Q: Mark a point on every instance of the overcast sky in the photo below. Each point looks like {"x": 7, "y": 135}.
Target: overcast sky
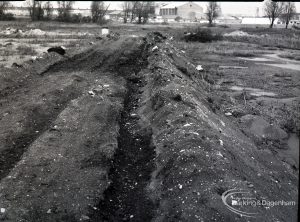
{"x": 241, "y": 8}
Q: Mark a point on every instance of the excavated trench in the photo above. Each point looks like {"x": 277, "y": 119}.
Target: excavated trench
{"x": 126, "y": 198}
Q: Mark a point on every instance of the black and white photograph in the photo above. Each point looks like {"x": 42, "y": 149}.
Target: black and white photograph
{"x": 149, "y": 111}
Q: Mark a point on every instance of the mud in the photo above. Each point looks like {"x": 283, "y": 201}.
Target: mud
{"x": 127, "y": 199}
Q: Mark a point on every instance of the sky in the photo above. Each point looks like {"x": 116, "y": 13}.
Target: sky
{"x": 232, "y": 8}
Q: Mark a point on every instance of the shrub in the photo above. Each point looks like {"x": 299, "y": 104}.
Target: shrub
{"x": 7, "y": 17}
{"x": 76, "y": 18}
{"x": 26, "y": 50}
{"x": 296, "y": 27}
{"x": 178, "y": 19}
{"x": 86, "y": 19}
{"x": 201, "y": 35}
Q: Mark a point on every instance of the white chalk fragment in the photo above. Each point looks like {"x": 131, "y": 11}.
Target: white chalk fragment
{"x": 223, "y": 124}
{"x": 91, "y": 92}
{"x": 199, "y": 68}
{"x": 154, "y": 48}
{"x": 228, "y": 114}
{"x": 2, "y": 210}
{"x": 221, "y": 142}
{"x": 180, "y": 186}
{"x": 219, "y": 154}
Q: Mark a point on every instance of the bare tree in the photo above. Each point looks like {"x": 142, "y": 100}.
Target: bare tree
{"x": 36, "y": 11}
{"x": 133, "y": 5}
{"x": 99, "y": 10}
{"x": 64, "y": 10}
{"x": 48, "y": 10}
{"x": 126, "y": 6}
{"x": 141, "y": 10}
{"x": 212, "y": 12}
{"x": 288, "y": 12}
{"x": 3, "y": 7}
{"x": 273, "y": 10}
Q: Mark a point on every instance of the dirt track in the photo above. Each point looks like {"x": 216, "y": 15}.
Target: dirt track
{"x": 122, "y": 132}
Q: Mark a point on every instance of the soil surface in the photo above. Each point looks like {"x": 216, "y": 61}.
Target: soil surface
{"x": 129, "y": 130}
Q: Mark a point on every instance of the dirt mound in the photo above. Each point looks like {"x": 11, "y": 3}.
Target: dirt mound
{"x": 237, "y": 33}
{"x": 125, "y": 125}
{"x": 34, "y": 32}
{"x": 200, "y": 154}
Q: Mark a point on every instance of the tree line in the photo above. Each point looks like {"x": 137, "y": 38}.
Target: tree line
{"x": 272, "y": 9}
{"x": 137, "y": 11}
{"x": 44, "y": 10}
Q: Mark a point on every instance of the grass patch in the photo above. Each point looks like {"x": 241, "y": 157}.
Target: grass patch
{"x": 268, "y": 41}
{"x": 294, "y": 56}
{"x": 223, "y": 48}
{"x": 200, "y": 34}
{"x": 26, "y": 50}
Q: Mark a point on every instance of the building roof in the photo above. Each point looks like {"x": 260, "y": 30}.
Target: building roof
{"x": 173, "y": 5}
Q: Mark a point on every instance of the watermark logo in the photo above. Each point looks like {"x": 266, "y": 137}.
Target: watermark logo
{"x": 231, "y": 200}
{"x": 243, "y": 203}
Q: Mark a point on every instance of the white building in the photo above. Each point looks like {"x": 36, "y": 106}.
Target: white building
{"x": 186, "y": 11}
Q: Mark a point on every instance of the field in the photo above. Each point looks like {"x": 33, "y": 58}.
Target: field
{"x": 126, "y": 127}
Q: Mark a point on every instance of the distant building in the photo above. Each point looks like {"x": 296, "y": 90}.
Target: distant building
{"x": 115, "y": 14}
{"x": 187, "y": 11}
{"x": 296, "y": 16}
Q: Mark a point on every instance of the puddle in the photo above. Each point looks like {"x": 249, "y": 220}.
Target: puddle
{"x": 283, "y": 66}
{"x": 289, "y": 100}
{"x": 254, "y": 91}
{"x": 279, "y": 62}
{"x": 262, "y": 93}
{"x": 256, "y": 59}
{"x": 240, "y": 88}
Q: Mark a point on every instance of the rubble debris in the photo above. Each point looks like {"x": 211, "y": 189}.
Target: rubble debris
{"x": 85, "y": 217}
{"x": 113, "y": 35}
{"x": 8, "y": 44}
{"x": 237, "y": 33}
{"x": 59, "y": 49}
{"x": 16, "y": 65}
{"x": 34, "y": 32}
